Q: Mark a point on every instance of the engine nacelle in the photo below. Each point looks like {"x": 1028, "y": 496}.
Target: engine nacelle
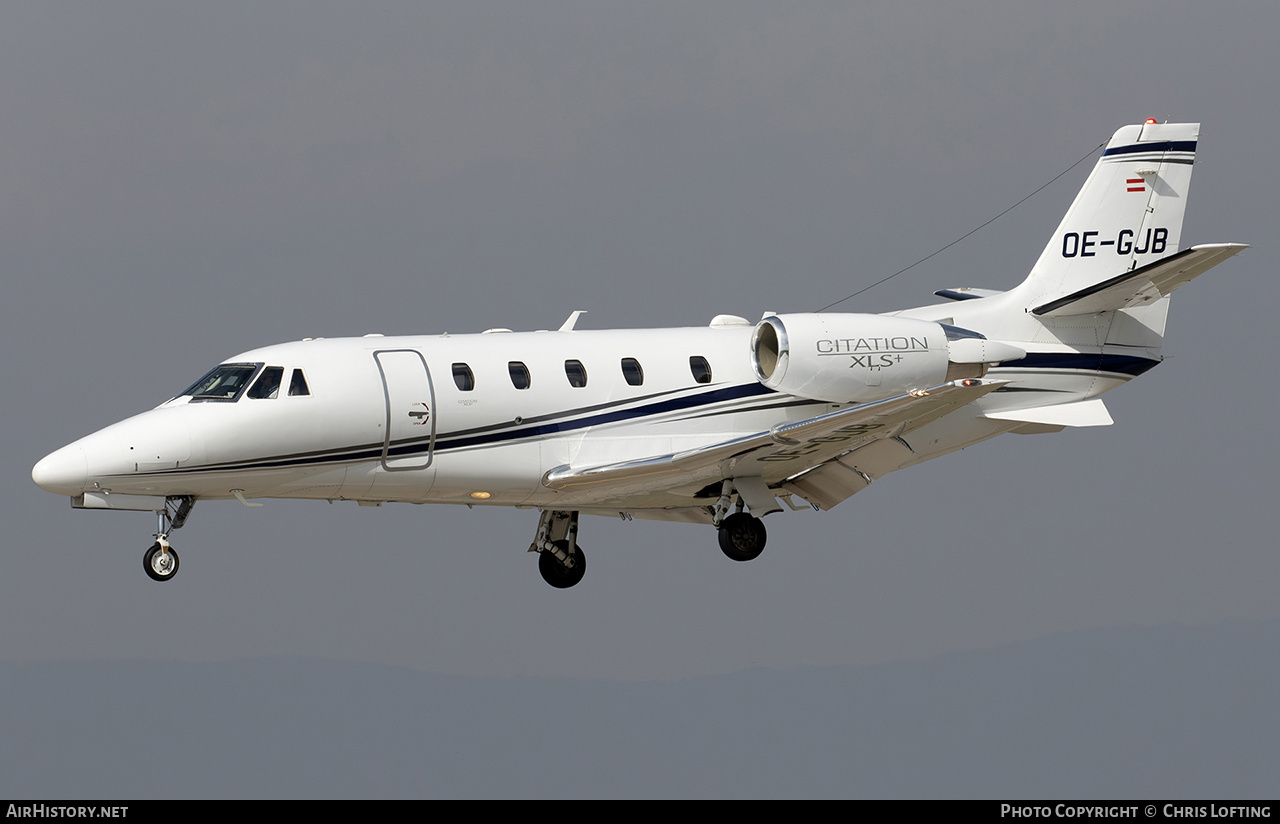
{"x": 849, "y": 358}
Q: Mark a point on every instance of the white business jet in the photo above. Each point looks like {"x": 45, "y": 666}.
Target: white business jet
{"x": 719, "y": 425}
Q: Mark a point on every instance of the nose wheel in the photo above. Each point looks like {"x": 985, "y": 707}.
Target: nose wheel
{"x": 160, "y": 562}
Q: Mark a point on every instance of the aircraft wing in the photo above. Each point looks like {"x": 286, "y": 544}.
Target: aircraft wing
{"x": 774, "y": 455}
{"x": 1143, "y": 285}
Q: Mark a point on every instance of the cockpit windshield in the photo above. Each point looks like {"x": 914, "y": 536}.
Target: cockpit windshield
{"x": 224, "y": 383}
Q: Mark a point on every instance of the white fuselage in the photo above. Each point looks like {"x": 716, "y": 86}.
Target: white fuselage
{"x": 478, "y": 438}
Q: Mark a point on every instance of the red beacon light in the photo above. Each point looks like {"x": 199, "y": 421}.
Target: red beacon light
{"x": 1151, "y": 121}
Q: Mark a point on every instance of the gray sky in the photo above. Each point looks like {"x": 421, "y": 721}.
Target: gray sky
{"x": 185, "y": 182}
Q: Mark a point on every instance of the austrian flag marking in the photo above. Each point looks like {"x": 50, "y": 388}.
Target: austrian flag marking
{"x": 1136, "y": 184}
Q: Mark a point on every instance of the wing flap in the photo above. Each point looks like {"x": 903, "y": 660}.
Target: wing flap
{"x": 774, "y": 455}
{"x": 1143, "y": 285}
{"x": 827, "y": 485}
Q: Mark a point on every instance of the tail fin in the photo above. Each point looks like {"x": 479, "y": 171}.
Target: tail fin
{"x": 1127, "y": 215}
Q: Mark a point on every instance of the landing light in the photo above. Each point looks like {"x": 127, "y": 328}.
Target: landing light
{"x": 481, "y": 496}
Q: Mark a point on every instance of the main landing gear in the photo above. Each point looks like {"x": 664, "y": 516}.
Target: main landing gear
{"x": 160, "y": 561}
{"x": 560, "y": 559}
{"x": 742, "y": 536}
{"x": 562, "y": 563}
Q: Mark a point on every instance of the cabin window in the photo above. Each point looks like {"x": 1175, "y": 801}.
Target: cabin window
{"x": 700, "y": 368}
{"x": 224, "y": 383}
{"x": 463, "y": 377}
{"x": 298, "y": 384}
{"x": 632, "y": 371}
{"x": 268, "y": 386}
{"x": 576, "y": 373}
{"x": 519, "y": 374}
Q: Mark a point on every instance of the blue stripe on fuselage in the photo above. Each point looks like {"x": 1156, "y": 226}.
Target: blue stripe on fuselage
{"x": 1120, "y": 364}
{"x": 729, "y": 393}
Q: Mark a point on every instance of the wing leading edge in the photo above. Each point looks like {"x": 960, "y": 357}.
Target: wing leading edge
{"x": 774, "y": 455}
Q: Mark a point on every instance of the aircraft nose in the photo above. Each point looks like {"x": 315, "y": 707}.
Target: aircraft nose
{"x": 64, "y": 472}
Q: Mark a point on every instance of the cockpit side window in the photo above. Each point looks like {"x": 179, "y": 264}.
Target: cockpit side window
{"x": 268, "y": 386}
{"x": 225, "y": 383}
{"x": 298, "y": 384}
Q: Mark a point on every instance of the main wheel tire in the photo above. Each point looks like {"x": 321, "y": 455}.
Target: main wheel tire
{"x": 160, "y": 565}
{"x": 554, "y": 572}
{"x": 742, "y": 536}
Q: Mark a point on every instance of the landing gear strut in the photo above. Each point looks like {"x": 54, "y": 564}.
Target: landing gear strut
{"x": 160, "y": 561}
{"x": 560, "y": 559}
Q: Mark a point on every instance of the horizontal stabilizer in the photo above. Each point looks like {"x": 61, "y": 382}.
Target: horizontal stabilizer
{"x": 1092, "y": 412}
{"x": 1143, "y": 285}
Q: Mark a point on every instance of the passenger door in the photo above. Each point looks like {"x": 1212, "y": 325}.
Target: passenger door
{"x": 410, "y": 429}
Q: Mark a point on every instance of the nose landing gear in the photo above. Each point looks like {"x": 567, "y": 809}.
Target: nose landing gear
{"x": 160, "y": 561}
